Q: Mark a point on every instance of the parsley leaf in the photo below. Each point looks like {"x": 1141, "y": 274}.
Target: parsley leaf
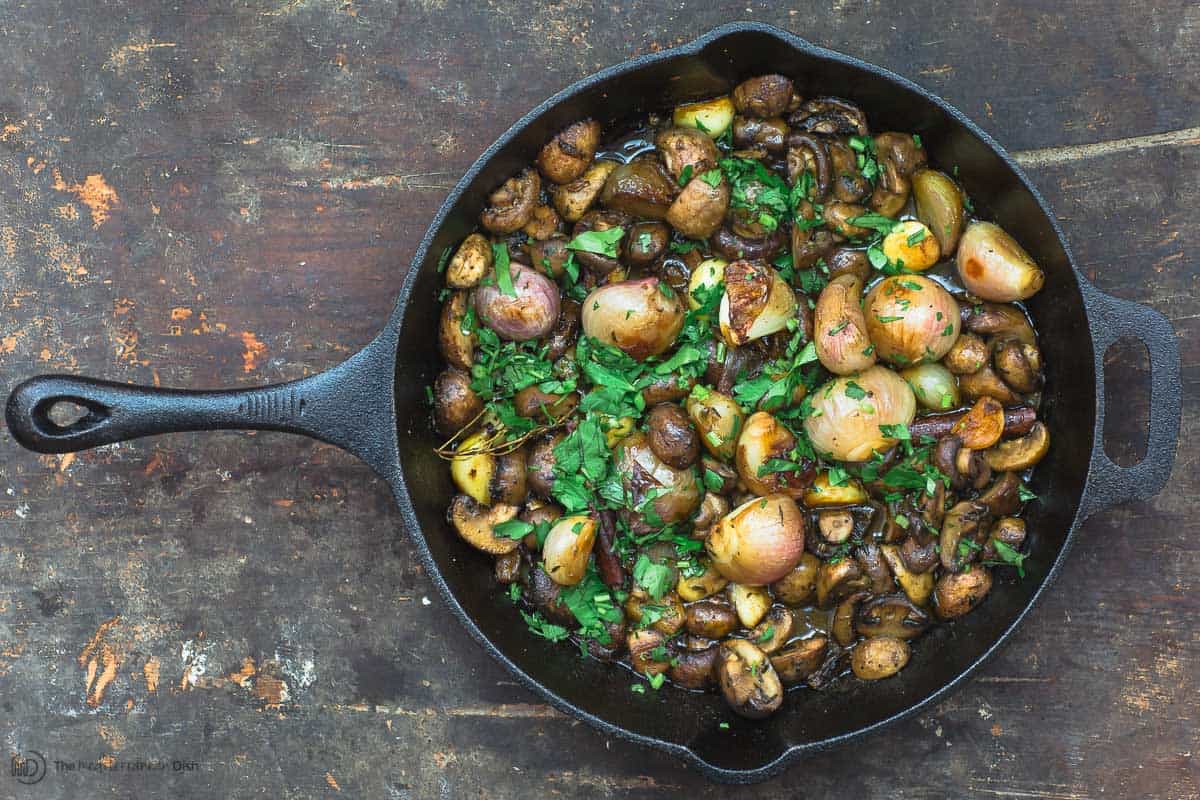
{"x": 602, "y": 243}
{"x": 654, "y": 578}
{"x": 504, "y": 279}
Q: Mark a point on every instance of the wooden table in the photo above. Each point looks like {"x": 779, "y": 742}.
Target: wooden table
{"x": 214, "y": 193}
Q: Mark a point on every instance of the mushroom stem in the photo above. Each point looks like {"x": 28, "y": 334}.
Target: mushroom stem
{"x": 606, "y": 559}
{"x": 1017, "y": 422}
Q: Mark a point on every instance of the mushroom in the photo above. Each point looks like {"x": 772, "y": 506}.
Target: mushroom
{"x": 697, "y": 587}
{"x": 568, "y": 154}
{"x": 800, "y": 585}
{"x": 732, "y": 247}
{"x": 470, "y": 263}
{"x": 1018, "y": 365}
{"x": 712, "y": 508}
{"x": 1002, "y": 321}
{"x": 962, "y": 465}
{"x": 508, "y": 567}
{"x": 917, "y": 586}
{"x": 1007, "y": 530}
{"x": 1016, "y": 455}
{"x": 774, "y": 630}
{"x": 893, "y": 615}
{"x": 699, "y": 209}
{"x": 962, "y": 523}
{"x": 532, "y": 403}
{"x": 838, "y": 215}
{"x": 959, "y": 592}
{"x": 511, "y": 206}
{"x": 641, "y": 188}
{"x": 835, "y": 526}
{"x": 668, "y": 613}
{"x": 874, "y": 566}
{"x": 829, "y": 116}
{"x": 686, "y": 150}
{"x": 838, "y": 579}
{"x": 455, "y": 403}
{"x": 800, "y": 659}
{"x": 543, "y": 223}
{"x": 476, "y": 524}
{"x": 808, "y": 153}
{"x": 564, "y": 333}
{"x": 645, "y": 645}
{"x": 600, "y": 220}
{"x": 747, "y": 679}
{"x": 671, "y": 436}
{"x": 984, "y": 382}
{"x": 1004, "y": 496}
{"x": 768, "y": 134}
{"x": 899, "y": 156}
{"x": 725, "y": 474}
{"x": 693, "y": 669}
{"x": 540, "y": 464}
{"x": 763, "y": 96}
{"x": 572, "y": 200}
{"x": 487, "y": 477}
{"x": 879, "y": 658}
{"x": 710, "y": 619}
{"x": 646, "y": 243}
{"x": 849, "y": 185}
{"x": 456, "y": 344}
{"x": 968, "y": 354}
{"x": 549, "y": 256}
{"x": 546, "y": 596}
{"x": 841, "y": 626}
{"x": 848, "y": 261}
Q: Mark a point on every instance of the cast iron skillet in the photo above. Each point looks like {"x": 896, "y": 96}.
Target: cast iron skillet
{"x": 374, "y": 406}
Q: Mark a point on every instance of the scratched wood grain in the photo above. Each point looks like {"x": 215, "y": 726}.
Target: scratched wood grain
{"x": 219, "y": 194}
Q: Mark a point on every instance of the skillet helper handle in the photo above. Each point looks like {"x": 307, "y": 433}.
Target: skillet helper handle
{"x": 349, "y": 406}
{"x": 1111, "y": 318}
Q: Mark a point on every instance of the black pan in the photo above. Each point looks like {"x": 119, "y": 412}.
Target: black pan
{"x": 374, "y": 406}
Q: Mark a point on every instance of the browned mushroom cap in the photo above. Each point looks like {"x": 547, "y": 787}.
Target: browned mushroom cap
{"x": 830, "y": 116}
{"x": 549, "y": 255}
{"x": 562, "y": 336}
{"x": 774, "y": 630}
{"x": 600, "y": 219}
{"x": 838, "y": 215}
{"x": 540, "y": 464}
{"x": 641, "y": 188}
{"x": 841, "y": 627}
{"x": 1009, "y": 531}
{"x": 849, "y": 185}
{"x": 508, "y": 567}
{"x": 848, "y": 261}
{"x": 1020, "y": 454}
{"x": 574, "y": 199}
{"x": 800, "y": 585}
{"x": 810, "y": 245}
{"x": 455, "y": 404}
{"x": 920, "y": 555}
{"x": 646, "y": 243}
{"x": 700, "y": 208}
{"x": 724, "y": 472}
{"x": 1001, "y": 320}
{"x": 1019, "y": 365}
{"x": 543, "y": 224}
{"x": 891, "y": 615}
{"x": 870, "y": 558}
{"x": 684, "y": 148}
{"x": 879, "y": 658}
{"x": 546, "y": 596}
{"x": 754, "y": 133}
{"x": 511, "y": 206}
{"x": 476, "y": 524}
{"x": 667, "y": 613}
{"x": 666, "y": 389}
{"x": 711, "y": 619}
{"x": 1004, "y": 496}
{"x": 712, "y": 508}
{"x": 693, "y": 669}
{"x": 837, "y": 579}
{"x": 800, "y": 659}
{"x": 984, "y": 382}
{"x": 471, "y": 262}
{"x": 964, "y": 467}
{"x": 731, "y": 247}
{"x": 567, "y": 155}
{"x": 612, "y": 645}
{"x": 808, "y": 153}
{"x": 645, "y": 646}
{"x": 957, "y": 593}
{"x": 748, "y": 680}
{"x": 962, "y": 523}
{"x": 763, "y": 96}
{"x": 457, "y": 346}
{"x": 968, "y": 354}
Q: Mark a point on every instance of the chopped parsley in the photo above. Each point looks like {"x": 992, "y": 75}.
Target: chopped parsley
{"x": 504, "y": 280}
{"x": 603, "y": 243}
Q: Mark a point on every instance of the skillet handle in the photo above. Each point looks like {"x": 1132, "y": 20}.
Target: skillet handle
{"x": 1111, "y": 318}
{"x": 350, "y": 405}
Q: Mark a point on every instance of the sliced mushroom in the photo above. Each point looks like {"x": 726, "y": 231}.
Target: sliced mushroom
{"x": 962, "y": 522}
{"x": 543, "y": 224}
{"x": 837, "y": 579}
{"x": 457, "y": 345}
{"x": 1004, "y": 496}
{"x": 564, "y": 333}
{"x": 768, "y": 134}
{"x": 808, "y": 153}
{"x": 747, "y": 679}
{"x": 986, "y": 383}
{"x": 829, "y": 116}
{"x": 546, "y": 596}
{"x": 837, "y": 216}
{"x": 549, "y": 256}
{"x": 1008, "y": 530}
{"x": 1002, "y": 321}
{"x": 870, "y": 558}
{"x": 879, "y": 658}
{"x": 568, "y": 154}
{"x": 849, "y": 185}
{"x": 959, "y": 592}
{"x": 647, "y": 652}
{"x": 732, "y": 247}
{"x": 893, "y": 615}
{"x": 712, "y": 508}
{"x": 774, "y": 630}
{"x": 800, "y": 585}
{"x": 800, "y": 659}
{"x": 572, "y": 200}
{"x": 600, "y": 220}
{"x": 1015, "y": 455}
{"x": 667, "y": 612}
{"x": 532, "y": 403}
{"x": 841, "y": 627}
{"x": 540, "y": 464}
{"x": 641, "y": 188}
{"x": 508, "y": 567}
{"x": 511, "y": 206}
{"x": 899, "y": 156}
{"x": 917, "y": 586}
{"x": 835, "y": 526}
{"x": 848, "y": 261}
{"x": 475, "y": 524}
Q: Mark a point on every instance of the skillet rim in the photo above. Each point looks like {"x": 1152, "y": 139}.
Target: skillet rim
{"x": 395, "y": 471}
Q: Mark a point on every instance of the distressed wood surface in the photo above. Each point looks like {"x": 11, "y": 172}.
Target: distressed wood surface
{"x": 222, "y": 194}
